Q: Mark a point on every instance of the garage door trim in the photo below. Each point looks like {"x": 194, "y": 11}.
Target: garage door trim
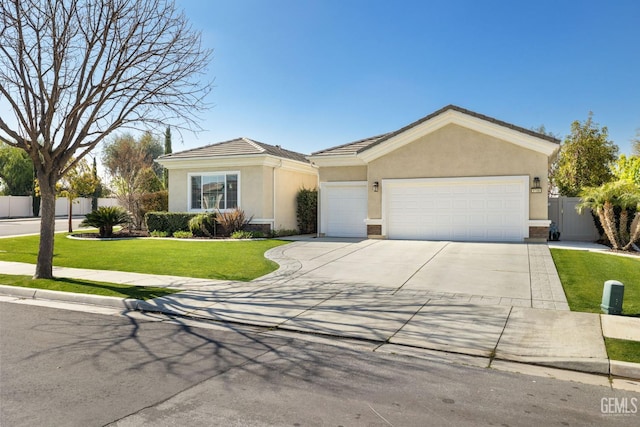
{"x": 389, "y": 183}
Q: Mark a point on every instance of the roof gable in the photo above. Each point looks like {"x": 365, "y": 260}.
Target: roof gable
{"x": 469, "y": 113}
{"x": 366, "y": 150}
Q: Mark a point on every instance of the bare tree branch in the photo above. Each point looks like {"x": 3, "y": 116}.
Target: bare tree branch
{"x": 74, "y": 71}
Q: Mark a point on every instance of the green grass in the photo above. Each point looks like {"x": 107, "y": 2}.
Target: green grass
{"x": 86, "y": 287}
{"x": 232, "y": 260}
{"x": 583, "y": 274}
{"x": 627, "y": 351}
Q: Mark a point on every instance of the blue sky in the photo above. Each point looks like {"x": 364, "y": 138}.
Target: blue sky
{"x": 309, "y": 74}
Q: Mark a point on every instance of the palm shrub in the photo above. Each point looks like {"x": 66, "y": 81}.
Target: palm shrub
{"x": 105, "y": 218}
{"x": 605, "y": 200}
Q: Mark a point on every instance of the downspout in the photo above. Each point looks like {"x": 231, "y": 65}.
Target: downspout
{"x": 273, "y": 184}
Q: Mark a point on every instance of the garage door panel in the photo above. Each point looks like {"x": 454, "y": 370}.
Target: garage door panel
{"x": 344, "y": 210}
{"x": 467, "y": 209}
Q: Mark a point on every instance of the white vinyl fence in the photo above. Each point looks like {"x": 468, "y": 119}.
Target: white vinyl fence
{"x": 21, "y": 206}
{"x": 15, "y": 206}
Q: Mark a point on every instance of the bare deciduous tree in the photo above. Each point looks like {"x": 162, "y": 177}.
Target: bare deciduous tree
{"x": 73, "y": 71}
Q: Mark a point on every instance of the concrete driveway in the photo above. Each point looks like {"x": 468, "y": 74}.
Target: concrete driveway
{"x": 507, "y": 274}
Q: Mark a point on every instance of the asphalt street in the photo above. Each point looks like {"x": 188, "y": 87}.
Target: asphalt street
{"x": 23, "y": 226}
{"x": 60, "y": 367}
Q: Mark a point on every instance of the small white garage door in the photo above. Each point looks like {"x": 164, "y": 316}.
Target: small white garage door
{"x": 344, "y": 209}
{"x": 459, "y": 209}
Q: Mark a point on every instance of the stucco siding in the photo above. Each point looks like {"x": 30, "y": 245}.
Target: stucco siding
{"x": 288, "y": 183}
{"x": 343, "y": 173}
{"x": 251, "y": 188}
{"x": 455, "y": 151}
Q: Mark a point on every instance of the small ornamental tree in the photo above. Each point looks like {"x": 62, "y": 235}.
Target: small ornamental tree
{"x": 584, "y": 158}
{"x": 80, "y": 181}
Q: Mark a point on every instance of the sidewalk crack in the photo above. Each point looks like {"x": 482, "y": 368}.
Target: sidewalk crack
{"x": 492, "y": 356}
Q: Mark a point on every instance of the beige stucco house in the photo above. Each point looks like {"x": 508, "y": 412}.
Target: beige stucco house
{"x": 260, "y": 179}
{"x": 452, "y": 175}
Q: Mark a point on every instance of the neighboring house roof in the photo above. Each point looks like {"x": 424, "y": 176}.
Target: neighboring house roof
{"x": 236, "y": 147}
{"x": 368, "y": 143}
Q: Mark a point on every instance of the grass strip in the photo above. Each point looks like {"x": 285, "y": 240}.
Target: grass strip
{"x": 624, "y": 350}
{"x": 86, "y": 287}
{"x": 583, "y": 274}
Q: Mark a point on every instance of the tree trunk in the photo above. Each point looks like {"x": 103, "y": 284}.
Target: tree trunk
{"x": 607, "y": 217}
{"x": 622, "y": 228}
{"x": 70, "y": 214}
{"x": 44, "y": 267}
{"x": 635, "y": 235}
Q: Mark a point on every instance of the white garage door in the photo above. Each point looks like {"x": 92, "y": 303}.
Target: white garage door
{"x": 462, "y": 209}
{"x": 344, "y": 209}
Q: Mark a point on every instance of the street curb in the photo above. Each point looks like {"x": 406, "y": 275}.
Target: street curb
{"x": 71, "y": 297}
{"x": 588, "y": 365}
{"x": 625, "y": 369}
{"x": 613, "y": 368}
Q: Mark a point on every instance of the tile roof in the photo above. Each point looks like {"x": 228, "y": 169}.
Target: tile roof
{"x": 367, "y": 143}
{"x": 237, "y": 147}
{"x": 350, "y": 148}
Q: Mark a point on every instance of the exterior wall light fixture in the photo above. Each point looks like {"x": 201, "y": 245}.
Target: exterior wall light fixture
{"x": 376, "y": 185}
{"x": 536, "y": 186}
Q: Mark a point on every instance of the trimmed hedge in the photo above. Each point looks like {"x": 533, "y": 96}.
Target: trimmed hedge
{"x": 307, "y": 210}
{"x": 169, "y": 222}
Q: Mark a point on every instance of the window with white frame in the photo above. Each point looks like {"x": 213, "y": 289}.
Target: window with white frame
{"x": 211, "y": 191}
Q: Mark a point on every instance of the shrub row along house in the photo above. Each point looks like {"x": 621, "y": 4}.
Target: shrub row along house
{"x": 452, "y": 175}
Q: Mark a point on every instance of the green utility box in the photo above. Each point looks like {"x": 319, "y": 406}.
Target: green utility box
{"x": 612, "y": 296}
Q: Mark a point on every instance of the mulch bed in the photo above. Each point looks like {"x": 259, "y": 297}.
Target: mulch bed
{"x": 122, "y": 234}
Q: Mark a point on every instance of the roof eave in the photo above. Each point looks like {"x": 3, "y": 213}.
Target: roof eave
{"x": 350, "y": 159}
{"x": 228, "y": 161}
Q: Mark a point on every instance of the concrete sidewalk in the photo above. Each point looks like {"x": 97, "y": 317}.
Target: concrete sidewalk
{"x": 560, "y": 339}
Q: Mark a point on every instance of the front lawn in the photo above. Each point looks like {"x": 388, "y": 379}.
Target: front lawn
{"x": 226, "y": 260}
{"x": 86, "y": 287}
{"x": 583, "y": 274}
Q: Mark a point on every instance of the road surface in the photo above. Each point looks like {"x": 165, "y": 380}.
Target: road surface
{"x": 61, "y": 367}
{"x": 16, "y": 227}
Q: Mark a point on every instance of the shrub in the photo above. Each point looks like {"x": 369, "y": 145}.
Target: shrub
{"x": 307, "y": 210}
{"x": 183, "y": 235}
{"x": 155, "y": 202}
{"x": 158, "y": 233}
{"x": 242, "y": 234}
{"x": 168, "y": 221}
{"x": 203, "y": 225}
{"x": 105, "y": 218}
{"x": 232, "y": 220}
